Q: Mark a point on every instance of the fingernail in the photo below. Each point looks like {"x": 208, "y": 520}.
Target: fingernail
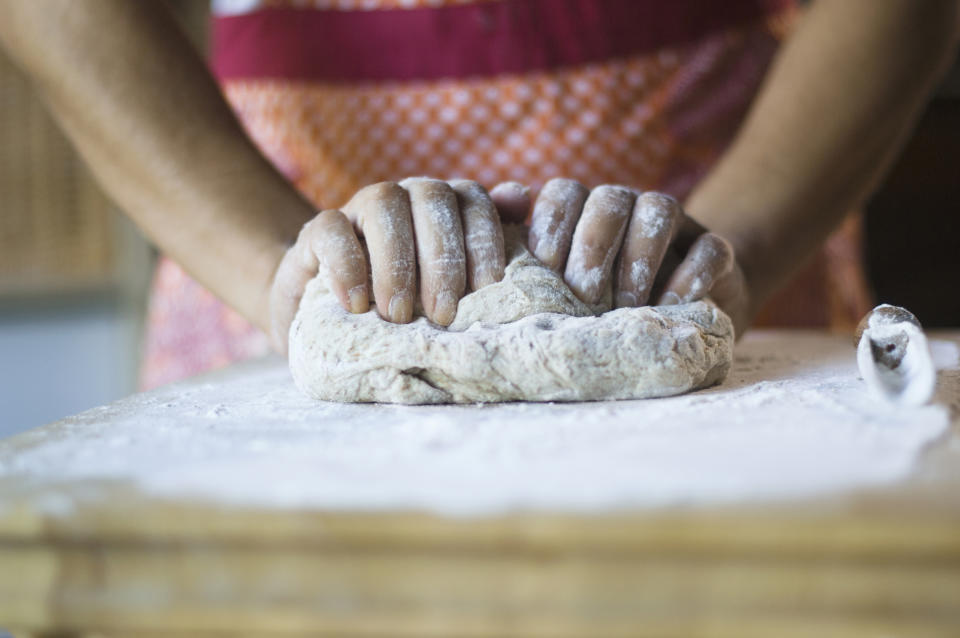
{"x": 547, "y": 253}
{"x": 669, "y": 298}
{"x": 400, "y": 308}
{"x": 626, "y": 300}
{"x": 700, "y": 286}
{"x": 359, "y": 300}
{"x": 584, "y": 293}
{"x": 444, "y": 308}
{"x": 586, "y": 283}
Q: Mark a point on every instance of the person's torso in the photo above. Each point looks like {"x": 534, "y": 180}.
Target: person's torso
{"x": 342, "y": 93}
{"x": 339, "y": 94}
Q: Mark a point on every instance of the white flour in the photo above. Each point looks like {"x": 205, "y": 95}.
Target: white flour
{"x": 791, "y": 420}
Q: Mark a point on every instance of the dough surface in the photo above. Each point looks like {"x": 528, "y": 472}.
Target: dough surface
{"x": 526, "y": 338}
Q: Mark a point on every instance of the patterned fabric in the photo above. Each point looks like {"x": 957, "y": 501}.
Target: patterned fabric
{"x": 632, "y": 122}
{"x": 657, "y": 119}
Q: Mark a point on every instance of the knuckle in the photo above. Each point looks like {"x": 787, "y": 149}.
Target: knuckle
{"x": 383, "y": 189}
{"x": 308, "y": 231}
{"x": 382, "y": 199}
{"x": 418, "y": 183}
{"x": 327, "y": 219}
{"x": 659, "y": 204}
{"x": 660, "y": 199}
{"x": 715, "y": 246}
{"x": 432, "y": 196}
{"x": 560, "y": 197}
{"x": 391, "y": 215}
{"x": 608, "y": 198}
{"x": 401, "y": 266}
{"x": 564, "y": 183}
{"x": 467, "y": 186}
{"x": 657, "y": 214}
{"x": 611, "y": 189}
{"x": 375, "y": 202}
{"x": 560, "y": 193}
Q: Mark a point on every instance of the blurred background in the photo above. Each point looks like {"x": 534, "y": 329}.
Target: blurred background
{"x": 74, "y": 273}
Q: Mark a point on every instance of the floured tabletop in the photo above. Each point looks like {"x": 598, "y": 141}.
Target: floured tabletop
{"x": 231, "y": 502}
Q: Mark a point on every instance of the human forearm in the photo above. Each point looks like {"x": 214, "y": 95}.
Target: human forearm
{"x": 837, "y": 104}
{"x": 141, "y": 108}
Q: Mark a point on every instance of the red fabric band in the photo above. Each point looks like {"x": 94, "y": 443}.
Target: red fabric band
{"x": 482, "y": 39}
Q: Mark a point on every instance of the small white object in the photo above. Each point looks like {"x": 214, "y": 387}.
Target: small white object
{"x": 894, "y": 358}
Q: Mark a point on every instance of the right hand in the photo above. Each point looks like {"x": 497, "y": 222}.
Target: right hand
{"x": 451, "y": 230}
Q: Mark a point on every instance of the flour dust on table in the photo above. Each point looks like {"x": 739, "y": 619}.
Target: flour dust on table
{"x": 792, "y": 420}
{"x": 525, "y": 338}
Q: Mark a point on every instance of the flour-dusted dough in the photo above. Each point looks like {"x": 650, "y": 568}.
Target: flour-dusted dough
{"x": 526, "y": 338}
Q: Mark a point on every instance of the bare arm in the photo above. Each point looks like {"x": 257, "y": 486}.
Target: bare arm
{"x": 835, "y": 108}
{"x": 140, "y": 106}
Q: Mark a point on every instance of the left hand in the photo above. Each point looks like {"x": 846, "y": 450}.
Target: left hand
{"x": 641, "y": 241}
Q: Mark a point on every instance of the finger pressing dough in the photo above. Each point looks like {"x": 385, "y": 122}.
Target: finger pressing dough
{"x": 525, "y": 338}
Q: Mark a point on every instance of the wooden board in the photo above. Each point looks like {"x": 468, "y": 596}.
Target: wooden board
{"x": 109, "y": 558}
